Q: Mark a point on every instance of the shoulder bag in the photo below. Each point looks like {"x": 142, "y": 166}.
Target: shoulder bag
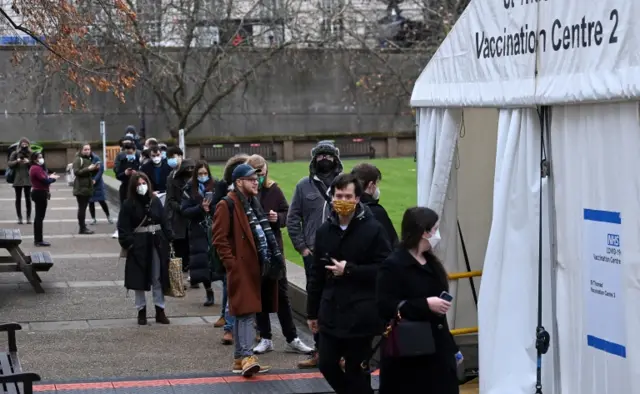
{"x": 407, "y": 338}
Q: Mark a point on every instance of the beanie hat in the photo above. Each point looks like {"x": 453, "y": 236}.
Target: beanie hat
{"x": 325, "y": 147}
{"x": 130, "y": 129}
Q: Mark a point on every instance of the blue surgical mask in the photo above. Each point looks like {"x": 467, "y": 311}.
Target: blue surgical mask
{"x": 164, "y": 154}
{"x": 131, "y": 157}
{"x": 173, "y": 162}
{"x": 203, "y": 178}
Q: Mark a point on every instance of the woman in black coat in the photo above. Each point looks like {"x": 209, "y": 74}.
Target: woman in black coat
{"x": 412, "y": 273}
{"x": 142, "y": 231}
{"x": 197, "y": 209}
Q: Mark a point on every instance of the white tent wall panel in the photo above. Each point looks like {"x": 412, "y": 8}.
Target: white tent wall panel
{"x": 508, "y": 297}
{"x": 596, "y": 166}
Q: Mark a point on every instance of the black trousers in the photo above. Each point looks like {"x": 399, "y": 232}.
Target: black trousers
{"x": 308, "y": 260}
{"x": 83, "y": 202}
{"x": 181, "y": 248}
{"x": 27, "y": 199}
{"x": 92, "y": 208}
{"x": 285, "y": 315}
{"x": 354, "y": 379}
{"x": 122, "y": 191}
{"x": 40, "y": 200}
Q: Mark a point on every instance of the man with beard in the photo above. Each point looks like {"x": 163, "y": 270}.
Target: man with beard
{"x": 310, "y": 207}
{"x": 249, "y": 251}
{"x": 341, "y": 287}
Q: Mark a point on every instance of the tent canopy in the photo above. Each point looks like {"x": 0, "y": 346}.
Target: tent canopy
{"x": 519, "y": 53}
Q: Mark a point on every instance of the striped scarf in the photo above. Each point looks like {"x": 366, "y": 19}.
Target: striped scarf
{"x": 271, "y": 259}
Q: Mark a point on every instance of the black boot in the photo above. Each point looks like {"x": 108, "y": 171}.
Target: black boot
{"x": 209, "y": 300}
{"x": 160, "y": 316}
{"x": 142, "y": 316}
{"x": 85, "y": 231}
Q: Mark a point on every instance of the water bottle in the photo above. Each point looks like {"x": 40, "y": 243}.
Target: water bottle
{"x": 460, "y": 366}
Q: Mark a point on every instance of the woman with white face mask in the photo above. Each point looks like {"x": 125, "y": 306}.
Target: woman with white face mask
{"x": 143, "y": 233}
{"x": 40, "y": 181}
{"x": 413, "y": 284}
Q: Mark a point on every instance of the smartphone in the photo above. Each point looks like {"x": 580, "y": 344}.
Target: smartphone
{"x": 446, "y": 296}
{"x": 208, "y": 196}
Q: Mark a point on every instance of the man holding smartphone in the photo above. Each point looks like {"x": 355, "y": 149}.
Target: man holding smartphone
{"x": 350, "y": 247}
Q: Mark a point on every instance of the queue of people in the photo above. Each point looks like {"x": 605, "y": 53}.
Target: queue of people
{"x": 363, "y": 280}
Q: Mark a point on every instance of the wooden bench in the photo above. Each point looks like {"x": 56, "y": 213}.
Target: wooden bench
{"x": 355, "y": 147}
{"x": 12, "y": 379}
{"x": 222, "y": 152}
{"x": 10, "y": 239}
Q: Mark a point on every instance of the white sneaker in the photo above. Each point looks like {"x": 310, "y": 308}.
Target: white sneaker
{"x": 265, "y": 345}
{"x": 115, "y": 235}
{"x": 298, "y": 346}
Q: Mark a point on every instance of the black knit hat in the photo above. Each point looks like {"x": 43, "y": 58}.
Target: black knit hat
{"x": 325, "y": 147}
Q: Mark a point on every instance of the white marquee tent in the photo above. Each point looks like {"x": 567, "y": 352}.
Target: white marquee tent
{"x": 566, "y": 75}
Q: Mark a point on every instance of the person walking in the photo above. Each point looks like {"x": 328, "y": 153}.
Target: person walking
{"x": 40, "y": 181}
{"x": 410, "y": 283}
{"x": 177, "y": 222}
{"x": 370, "y": 177}
{"x": 310, "y": 207}
{"x": 275, "y": 206}
{"x": 143, "y": 233}
{"x": 157, "y": 170}
{"x": 341, "y": 292}
{"x": 197, "y": 207}
{"x": 224, "y": 185}
{"x": 99, "y": 195}
{"x": 19, "y": 162}
{"x": 249, "y": 251}
{"x": 84, "y": 171}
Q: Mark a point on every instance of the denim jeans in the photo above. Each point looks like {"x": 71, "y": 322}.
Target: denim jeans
{"x": 229, "y": 320}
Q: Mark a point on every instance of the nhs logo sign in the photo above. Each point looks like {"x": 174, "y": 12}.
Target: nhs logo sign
{"x": 613, "y": 240}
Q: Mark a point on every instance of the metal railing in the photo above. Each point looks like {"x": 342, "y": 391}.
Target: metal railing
{"x": 458, "y": 276}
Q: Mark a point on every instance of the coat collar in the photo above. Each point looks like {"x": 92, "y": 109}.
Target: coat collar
{"x": 241, "y": 218}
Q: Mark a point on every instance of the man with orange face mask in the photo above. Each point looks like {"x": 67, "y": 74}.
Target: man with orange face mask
{"x": 341, "y": 288}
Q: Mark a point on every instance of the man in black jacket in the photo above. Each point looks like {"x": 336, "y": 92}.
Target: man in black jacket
{"x": 341, "y": 289}
{"x": 157, "y": 170}
{"x": 370, "y": 177}
{"x": 178, "y": 224}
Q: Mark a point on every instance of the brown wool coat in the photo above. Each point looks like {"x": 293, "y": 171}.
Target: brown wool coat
{"x": 240, "y": 258}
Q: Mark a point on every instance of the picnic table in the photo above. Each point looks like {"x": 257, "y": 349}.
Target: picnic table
{"x": 13, "y": 380}
{"x": 18, "y": 261}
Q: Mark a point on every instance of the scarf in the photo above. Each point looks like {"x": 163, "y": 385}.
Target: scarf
{"x": 269, "y": 255}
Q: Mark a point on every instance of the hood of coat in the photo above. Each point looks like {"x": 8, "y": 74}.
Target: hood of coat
{"x": 186, "y": 163}
{"x": 328, "y": 148}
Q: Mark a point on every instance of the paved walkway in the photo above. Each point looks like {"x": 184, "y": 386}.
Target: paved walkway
{"x": 84, "y": 326}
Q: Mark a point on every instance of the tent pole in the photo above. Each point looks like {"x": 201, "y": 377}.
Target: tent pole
{"x": 468, "y": 265}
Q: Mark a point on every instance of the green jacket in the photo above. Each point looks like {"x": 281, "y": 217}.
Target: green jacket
{"x": 21, "y": 170}
{"x": 83, "y": 183}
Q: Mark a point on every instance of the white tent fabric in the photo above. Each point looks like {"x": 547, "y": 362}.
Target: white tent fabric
{"x": 581, "y": 51}
{"x": 596, "y": 162}
{"x": 507, "y": 307}
{"x": 438, "y": 132}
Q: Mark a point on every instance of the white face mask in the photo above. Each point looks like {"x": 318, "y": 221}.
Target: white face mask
{"x": 142, "y": 189}
{"x": 434, "y": 239}
{"x": 41, "y": 161}
{"x": 376, "y": 194}
{"x": 156, "y": 159}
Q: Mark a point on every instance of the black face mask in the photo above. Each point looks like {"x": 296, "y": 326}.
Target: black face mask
{"x": 324, "y": 165}
{"x": 24, "y": 148}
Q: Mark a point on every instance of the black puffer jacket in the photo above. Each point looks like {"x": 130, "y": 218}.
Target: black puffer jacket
{"x": 345, "y": 306}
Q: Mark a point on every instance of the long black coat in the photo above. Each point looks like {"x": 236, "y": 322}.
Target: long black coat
{"x": 177, "y": 222}
{"x": 403, "y": 278}
{"x": 345, "y": 306}
{"x": 137, "y": 270}
{"x": 191, "y": 207}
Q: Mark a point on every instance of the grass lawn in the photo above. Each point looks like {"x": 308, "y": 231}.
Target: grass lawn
{"x": 398, "y": 187}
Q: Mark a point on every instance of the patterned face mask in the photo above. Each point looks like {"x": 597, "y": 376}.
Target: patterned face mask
{"x": 344, "y": 207}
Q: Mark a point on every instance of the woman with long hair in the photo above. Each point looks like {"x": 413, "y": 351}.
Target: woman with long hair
{"x": 410, "y": 284}
{"x": 197, "y": 206}
{"x": 275, "y": 206}
{"x": 40, "y": 181}
{"x": 19, "y": 162}
{"x": 143, "y": 233}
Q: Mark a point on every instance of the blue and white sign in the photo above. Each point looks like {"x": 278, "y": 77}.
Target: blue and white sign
{"x": 604, "y": 295}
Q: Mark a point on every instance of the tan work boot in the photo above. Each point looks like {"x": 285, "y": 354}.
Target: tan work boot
{"x": 220, "y": 322}
{"x": 237, "y": 367}
{"x": 227, "y": 338}
{"x": 250, "y": 366}
{"x": 311, "y": 362}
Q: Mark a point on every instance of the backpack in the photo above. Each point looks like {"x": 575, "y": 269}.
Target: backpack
{"x": 217, "y": 267}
